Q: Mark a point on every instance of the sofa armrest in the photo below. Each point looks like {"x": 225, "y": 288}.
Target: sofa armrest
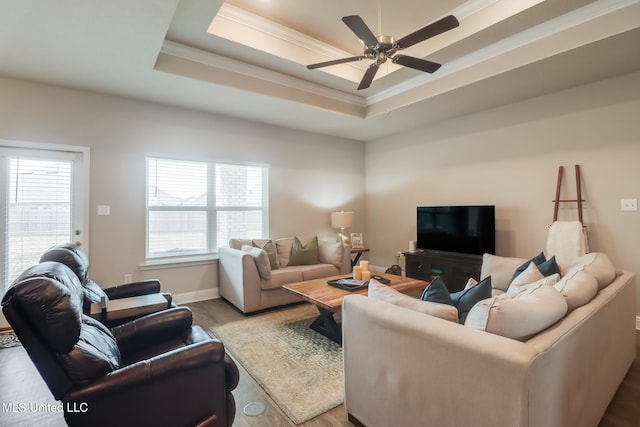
{"x": 143, "y": 287}
{"x": 239, "y": 279}
{"x": 152, "y": 328}
{"x": 430, "y": 369}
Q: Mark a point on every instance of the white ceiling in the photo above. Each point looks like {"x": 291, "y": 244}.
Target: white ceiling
{"x": 253, "y": 65}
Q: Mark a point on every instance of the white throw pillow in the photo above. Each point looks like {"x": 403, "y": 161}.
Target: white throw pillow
{"x": 529, "y": 275}
{"x": 578, "y": 287}
{"x": 519, "y": 316}
{"x": 500, "y": 269}
{"x": 545, "y": 281}
{"x": 385, "y": 293}
{"x": 261, "y": 259}
{"x": 599, "y": 266}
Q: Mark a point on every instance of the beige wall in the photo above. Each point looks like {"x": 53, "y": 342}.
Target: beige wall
{"x": 310, "y": 175}
{"x": 506, "y": 156}
{"x": 509, "y": 157}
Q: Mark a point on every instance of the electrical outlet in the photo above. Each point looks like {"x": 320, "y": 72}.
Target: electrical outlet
{"x": 104, "y": 210}
{"x": 128, "y": 278}
{"x": 629, "y": 204}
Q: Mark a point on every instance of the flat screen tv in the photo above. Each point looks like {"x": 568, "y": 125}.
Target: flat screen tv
{"x": 460, "y": 229}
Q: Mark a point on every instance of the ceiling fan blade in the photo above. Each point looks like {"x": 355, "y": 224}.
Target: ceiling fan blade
{"x": 445, "y": 24}
{"x": 416, "y": 63}
{"x": 368, "y": 76}
{"x": 360, "y": 29}
{"x": 335, "y": 62}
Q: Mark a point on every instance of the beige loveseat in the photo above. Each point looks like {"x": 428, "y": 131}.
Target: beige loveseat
{"x": 403, "y": 367}
{"x": 251, "y": 281}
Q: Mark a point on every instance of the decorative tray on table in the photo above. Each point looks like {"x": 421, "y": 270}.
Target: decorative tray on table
{"x": 351, "y": 284}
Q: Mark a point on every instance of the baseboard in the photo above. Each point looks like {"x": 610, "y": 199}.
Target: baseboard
{"x": 196, "y": 296}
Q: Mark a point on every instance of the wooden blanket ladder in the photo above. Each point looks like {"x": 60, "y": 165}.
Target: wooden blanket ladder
{"x": 578, "y": 200}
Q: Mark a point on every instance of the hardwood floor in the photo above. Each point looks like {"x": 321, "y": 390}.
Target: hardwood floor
{"x": 20, "y": 382}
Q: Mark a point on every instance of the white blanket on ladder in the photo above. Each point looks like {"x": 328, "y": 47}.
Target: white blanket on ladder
{"x": 567, "y": 241}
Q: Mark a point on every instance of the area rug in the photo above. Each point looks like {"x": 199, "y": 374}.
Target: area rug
{"x": 297, "y": 367}
{"x": 8, "y": 339}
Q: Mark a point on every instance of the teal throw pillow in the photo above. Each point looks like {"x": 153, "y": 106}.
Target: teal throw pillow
{"x": 437, "y": 292}
{"x": 546, "y": 266}
{"x": 465, "y": 299}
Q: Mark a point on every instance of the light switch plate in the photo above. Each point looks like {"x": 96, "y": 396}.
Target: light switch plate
{"x": 104, "y": 210}
{"x": 629, "y": 204}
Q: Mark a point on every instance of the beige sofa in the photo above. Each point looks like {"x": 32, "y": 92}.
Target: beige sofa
{"x": 403, "y": 367}
{"x": 248, "y": 280}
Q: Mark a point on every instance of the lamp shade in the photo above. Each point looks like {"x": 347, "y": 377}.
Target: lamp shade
{"x": 341, "y": 219}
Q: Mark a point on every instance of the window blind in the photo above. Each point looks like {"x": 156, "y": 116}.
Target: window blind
{"x": 195, "y": 207}
{"x": 38, "y": 210}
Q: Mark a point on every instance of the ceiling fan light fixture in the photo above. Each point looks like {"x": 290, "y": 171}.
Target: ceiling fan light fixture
{"x": 385, "y": 47}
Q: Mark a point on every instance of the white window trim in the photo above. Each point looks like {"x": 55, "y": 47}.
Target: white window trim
{"x": 178, "y": 261}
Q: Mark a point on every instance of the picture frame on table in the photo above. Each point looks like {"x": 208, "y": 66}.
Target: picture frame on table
{"x": 356, "y": 241}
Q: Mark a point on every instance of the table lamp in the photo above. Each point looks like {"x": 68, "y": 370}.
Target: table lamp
{"x": 342, "y": 220}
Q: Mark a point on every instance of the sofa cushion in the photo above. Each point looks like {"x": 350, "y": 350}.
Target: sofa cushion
{"x": 523, "y": 286}
{"x": 519, "y": 316}
{"x": 385, "y": 293}
{"x": 304, "y": 253}
{"x": 270, "y": 248}
{"x": 283, "y": 249}
{"x": 280, "y": 277}
{"x": 500, "y": 269}
{"x": 261, "y": 259}
{"x": 316, "y": 271}
{"x": 578, "y": 287}
{"x": 331, "y": 253}
{"x": 599, "y": 266}
{"x": 237, "y": 243}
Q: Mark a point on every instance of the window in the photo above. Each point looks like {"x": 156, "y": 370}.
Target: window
{"x": 41, "y": 192}
{"x": 195, "y": 207}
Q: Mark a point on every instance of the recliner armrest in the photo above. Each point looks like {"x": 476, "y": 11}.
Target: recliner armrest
{"x": 142, "y": 287}
{"x": 152, "y": 328}
{"x": 182, "y": 386}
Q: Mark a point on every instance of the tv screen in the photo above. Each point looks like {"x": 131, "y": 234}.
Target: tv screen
{"x": 461, "y": 229}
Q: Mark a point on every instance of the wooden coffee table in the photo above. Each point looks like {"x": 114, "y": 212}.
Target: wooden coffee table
{"x": 328, "y": 299}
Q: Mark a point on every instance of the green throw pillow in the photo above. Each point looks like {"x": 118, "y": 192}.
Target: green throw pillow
{"x": 270, "y": 249}
{"x": 304, "y": 254}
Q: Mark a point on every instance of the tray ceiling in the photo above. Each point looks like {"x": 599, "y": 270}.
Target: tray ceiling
{"x": 248, "y": 58}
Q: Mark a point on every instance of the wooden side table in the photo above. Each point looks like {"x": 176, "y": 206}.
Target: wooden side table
{"x": 358, "y": 252}
{"x": 127, "y": 307}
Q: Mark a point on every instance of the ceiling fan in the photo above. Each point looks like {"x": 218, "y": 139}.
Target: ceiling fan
{"x": 386, "y": 47}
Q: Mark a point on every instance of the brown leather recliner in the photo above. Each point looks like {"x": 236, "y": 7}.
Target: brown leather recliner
{"x": 156, "y": 370}
{"x": 77, "y": 260}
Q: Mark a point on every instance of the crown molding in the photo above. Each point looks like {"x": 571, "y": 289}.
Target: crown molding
{"x": 585, "y": 15}
{"x": 243, "y": 27}
{"x": 214, "y": 61}
{"x": 273, "y": 29}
